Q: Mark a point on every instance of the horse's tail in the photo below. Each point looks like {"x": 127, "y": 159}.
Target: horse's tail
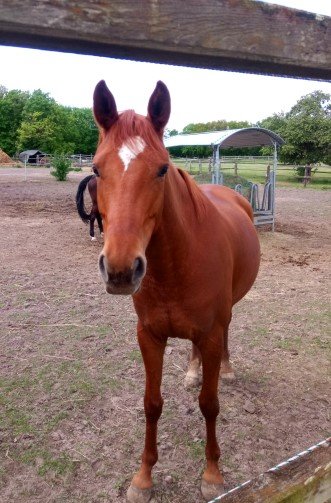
{"x": 80, "y": 199}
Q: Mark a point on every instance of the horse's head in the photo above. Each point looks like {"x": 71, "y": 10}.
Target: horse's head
{"x": 131, "y": 162}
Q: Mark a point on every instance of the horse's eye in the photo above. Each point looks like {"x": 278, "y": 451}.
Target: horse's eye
{"x": 163, "y": 170}
{"x": 95, "y": 170}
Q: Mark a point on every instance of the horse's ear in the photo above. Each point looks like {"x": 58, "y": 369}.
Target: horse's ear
{"x": 159, "y": 107}
{"x": 104, "y": 106}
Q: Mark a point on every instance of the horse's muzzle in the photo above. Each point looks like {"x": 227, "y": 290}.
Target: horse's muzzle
{"x": 122, "y": 282}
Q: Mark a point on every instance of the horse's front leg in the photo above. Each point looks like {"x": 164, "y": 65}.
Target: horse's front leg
{"x": 140, "y": 490}
{"x": 211, "y": 353}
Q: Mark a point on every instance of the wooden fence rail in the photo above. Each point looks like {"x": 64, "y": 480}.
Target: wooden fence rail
{"x": 237, "y": 35}
{"x": 304, "y": 478}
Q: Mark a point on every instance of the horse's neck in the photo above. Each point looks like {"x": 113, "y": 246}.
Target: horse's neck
{"x": 177, "y": 231}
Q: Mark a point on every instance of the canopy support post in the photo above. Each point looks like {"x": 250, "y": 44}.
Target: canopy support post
{"x": 217, "y": 177}
{"x": 274, "y": 185}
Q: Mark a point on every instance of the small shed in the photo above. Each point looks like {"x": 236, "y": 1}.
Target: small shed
{"x": 31, "y": 156}
{"x": 264, "y": 209}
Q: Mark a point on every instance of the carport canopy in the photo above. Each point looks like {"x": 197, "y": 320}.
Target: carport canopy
{"x": 246, "y": 137}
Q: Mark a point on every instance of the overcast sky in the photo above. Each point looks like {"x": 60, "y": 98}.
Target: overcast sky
{"x": 197, "y": 95}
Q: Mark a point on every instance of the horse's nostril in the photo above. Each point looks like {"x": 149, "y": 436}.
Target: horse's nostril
{"x": 138, "y": 268}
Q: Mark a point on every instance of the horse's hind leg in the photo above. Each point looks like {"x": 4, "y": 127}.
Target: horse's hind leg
{"x": 226, "y": 368}
{"x": 192, "y": 378}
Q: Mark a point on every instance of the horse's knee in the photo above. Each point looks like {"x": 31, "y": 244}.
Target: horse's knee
{"x": 209, "y": 407}
{"x": 153, "y": 408}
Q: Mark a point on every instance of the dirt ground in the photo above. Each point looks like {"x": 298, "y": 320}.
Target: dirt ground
{"x": 72, "y": 378}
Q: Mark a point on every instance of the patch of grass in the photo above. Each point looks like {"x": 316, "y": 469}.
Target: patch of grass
{"x": 289, "y": 344}
{"x": 17, "y": 384}
{"x": 119, "y": 484}
{"x": 322, "y": 343}
{"x": 48, "y": 462}
{"x": 256, "y": 172}
{"x": 256, "y": 335}
{"x": 112, "y": 383}
{"x": 102, "y": 330}
{"x": 3, "y": 477}
{"x": 59, "y": 466}
{"x": 15, "y": 420}
{"x": 54, "y": 421}
{"x": 197, "y": 449}
{"x": 135, "y": 356}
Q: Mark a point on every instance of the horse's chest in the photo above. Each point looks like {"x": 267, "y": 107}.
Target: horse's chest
{"x": 169, "y": 320}
{"x": 170, "y": 323}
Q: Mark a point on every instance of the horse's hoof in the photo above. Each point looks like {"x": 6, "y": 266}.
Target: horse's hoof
{"x": 191, "y": 381}
{"x": 136, "y": 495}
{"x": 228, "y": 376}
{"x": 211, "y": 491}
{"x": 94, "y": 238}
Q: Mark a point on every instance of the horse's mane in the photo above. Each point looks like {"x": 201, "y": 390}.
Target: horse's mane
{"x": 196, "y": 195}
{"x": 127, "y": 127}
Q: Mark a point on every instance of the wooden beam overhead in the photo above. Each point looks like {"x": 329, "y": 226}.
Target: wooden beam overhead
{"x": 235, "y": 35}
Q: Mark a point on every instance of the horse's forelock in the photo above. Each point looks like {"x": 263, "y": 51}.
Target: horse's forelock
{"x": 128, "y": 126}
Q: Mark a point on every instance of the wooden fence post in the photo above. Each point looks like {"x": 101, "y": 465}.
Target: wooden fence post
{"x": 267, "y": 176}
{"x": 307, "y": 177}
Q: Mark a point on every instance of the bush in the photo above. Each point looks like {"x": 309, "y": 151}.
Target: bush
{"x": 61, "y": 166}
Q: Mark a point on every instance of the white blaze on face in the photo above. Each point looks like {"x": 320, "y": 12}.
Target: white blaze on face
{"x": 129, "y": 150}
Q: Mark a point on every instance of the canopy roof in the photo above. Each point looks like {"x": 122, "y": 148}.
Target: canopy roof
{"x": 247, "y": 137}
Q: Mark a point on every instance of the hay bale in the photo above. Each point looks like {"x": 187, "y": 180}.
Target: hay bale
{"x": 4, "y": 158}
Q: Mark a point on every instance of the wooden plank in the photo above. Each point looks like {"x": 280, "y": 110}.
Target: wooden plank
{"x": 237, "y": 35}
{"x": 304, "y": 478}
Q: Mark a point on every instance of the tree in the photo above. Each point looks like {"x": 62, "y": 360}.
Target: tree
{"x": 170, "y": 132}
{"x": 82, "y": 131}
{"x": 45, "y": 125}
{"x": 206, "y": 151}
{"x": 306, "y": 129}
{"x": 12, "y": 104}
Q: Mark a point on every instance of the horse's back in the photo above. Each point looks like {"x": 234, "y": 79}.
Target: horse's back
{"x": 236, "y": 222}
{"x": 224, "y": 197}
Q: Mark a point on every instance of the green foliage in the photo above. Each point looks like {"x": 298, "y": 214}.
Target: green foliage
{"x": 170, "y": 132}
{"x": 45, "y": 125}
{"x": 201, "y": 151}
{"x": 12, "y": 104}
{"x": 61, "y": 167}
{"x": 36, "y": 121}
{"x": 82, "y": 130}
{"x": 306, "y": 129}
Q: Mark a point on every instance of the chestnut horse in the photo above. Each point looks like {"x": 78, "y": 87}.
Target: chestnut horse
{"x": 185, "y": 253}
{"x": 91, "y": 183}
